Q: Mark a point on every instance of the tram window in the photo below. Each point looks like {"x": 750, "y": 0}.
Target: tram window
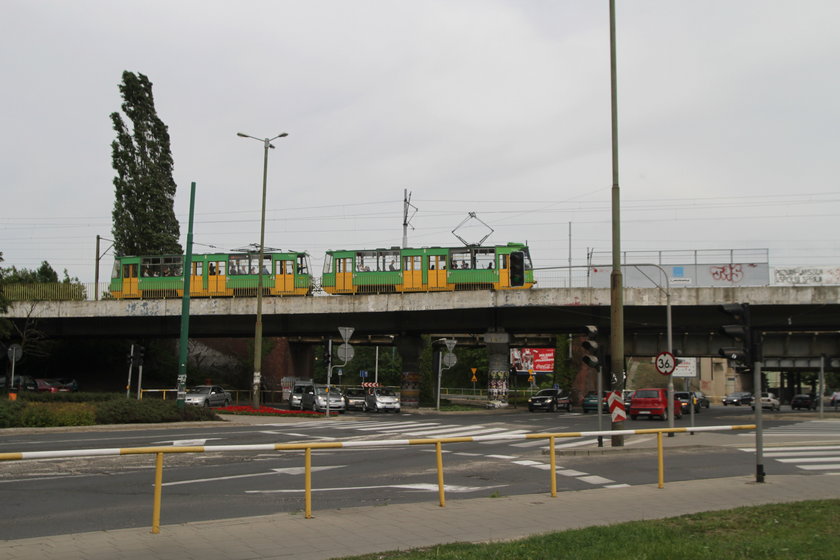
{"x": 115, "y": 271}
{"x": 220, "y": 268}
{"x": 328, "y": 264}
{"x": 198, "y": 269}
{"x": 129, "y": 271}
{"x": 411, "y": 263}
{"x": 485, "y": 258}
{"x": 504, "y": 261}
{"x": 301, "y": 266}
{"x": 345, "y": 265}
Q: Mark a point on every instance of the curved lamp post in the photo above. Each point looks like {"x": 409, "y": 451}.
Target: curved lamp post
{"x": 255, "y": 388}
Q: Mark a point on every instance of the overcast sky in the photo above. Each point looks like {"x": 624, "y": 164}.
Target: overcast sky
{"x": 728, "y": 123}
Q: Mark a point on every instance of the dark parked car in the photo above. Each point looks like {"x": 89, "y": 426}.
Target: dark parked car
{"x": 21, "y": 383}
{"x": 354, "y": 398}
{"x": 590, "y": 402}
{"x": 550, "y": 400}
{"x": 808, "y": 402}
{"x": 702, "y": 399}
{"x": 738, "y": 398}
{"x": 683, "y": 397}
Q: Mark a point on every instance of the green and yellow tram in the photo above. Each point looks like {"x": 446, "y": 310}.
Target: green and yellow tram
{"x": 212, "y": 275}
{"x": 430, "y": 269}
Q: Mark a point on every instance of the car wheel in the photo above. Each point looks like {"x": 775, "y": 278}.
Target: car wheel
{"x": 206, "y": 403}
{"x": 585, "y": 411}
{"x": 227, "y": 402}
{"x": 553, "y": 407}
{"x": 530, "y": 409}
{"x": 633, "y": 417}
{"x": 397, "y": 411}
{"x": 664, "y": 415}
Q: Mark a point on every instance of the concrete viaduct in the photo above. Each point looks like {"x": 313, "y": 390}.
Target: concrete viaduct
{"x": 798, "y": 325}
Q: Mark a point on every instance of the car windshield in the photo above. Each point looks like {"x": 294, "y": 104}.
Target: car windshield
{"x": 200, "y": 390}
{"x": 547, "y": 393}
{"x": 386, "y": 393}
{"x": 323, "y": 391}
{"x": 354, "y": 393}
{"x": 681, "y": 395}
{"x": 649, "y": 394}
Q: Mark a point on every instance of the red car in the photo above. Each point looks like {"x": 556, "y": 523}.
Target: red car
{"x": 653, "y": 402}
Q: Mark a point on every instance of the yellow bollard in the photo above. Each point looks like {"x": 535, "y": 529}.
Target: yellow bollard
{"x": 660, "y": 461}
{"x": 553, "y": 467}
{"x": 307, "y": 484}
{"x": 158, "y": 486}
{"x": 439, "y": 453}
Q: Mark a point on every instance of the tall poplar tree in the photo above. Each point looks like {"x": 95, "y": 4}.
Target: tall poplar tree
{"x": 144, "y": 213}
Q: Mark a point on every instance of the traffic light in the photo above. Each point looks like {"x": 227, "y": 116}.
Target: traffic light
{"x": 741, "y": 351}
{"x": 138, "y": 350}
{"x": 517, "y": 268}
{"x": 590, "y": 346}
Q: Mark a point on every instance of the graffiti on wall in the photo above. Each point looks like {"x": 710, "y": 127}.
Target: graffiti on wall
{"x": 727, "y": 273}
{"x": 800, "y": 275}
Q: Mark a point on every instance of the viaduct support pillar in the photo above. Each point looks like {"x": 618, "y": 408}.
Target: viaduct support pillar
{"x": 409, "y": 345}
{"x": 498, "y": 366}
{"x": 302, "y": 359}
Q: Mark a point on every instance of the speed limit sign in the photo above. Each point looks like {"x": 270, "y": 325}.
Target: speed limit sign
{"x": 665, "y": 363}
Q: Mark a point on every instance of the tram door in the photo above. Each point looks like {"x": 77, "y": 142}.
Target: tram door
{"x": 130, "y": 288}
{"x": 437, "y": 272}
{"x": 216, "y": 277}
{"x": 344, "y": 274}
{"x": 412, "y": 273}
{"x": 284, "y": 276}
{"x": 198, "y": 284}
{"x": 504, "y": 271}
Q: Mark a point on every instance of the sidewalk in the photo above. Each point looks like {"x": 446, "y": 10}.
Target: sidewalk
{"x": 351, "y": 531}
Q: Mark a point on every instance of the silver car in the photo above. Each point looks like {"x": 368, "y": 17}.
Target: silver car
{"x": 315, "y": 398}
{"x": 295, "y": 396}
{"x": 207, "y": 395}
{"x": 381, "y": 398}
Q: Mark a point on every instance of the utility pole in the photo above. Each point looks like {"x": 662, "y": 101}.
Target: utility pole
{"x": 616, "y": 280}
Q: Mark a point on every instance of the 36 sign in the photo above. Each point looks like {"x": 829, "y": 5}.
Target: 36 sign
{"x": 665, "y": 363}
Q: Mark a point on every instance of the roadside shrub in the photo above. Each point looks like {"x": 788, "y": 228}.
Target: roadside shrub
{"x": 10, "y": 413}
{"x": 79, "y": 396}
{"x": 39, "y": 415}
{"x": 130, "y": 411}
{"x": 112, "y": 408}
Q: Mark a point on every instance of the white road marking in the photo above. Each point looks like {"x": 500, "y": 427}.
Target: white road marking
{"x": 594, "y": 479}
{"x": 287, "y": 470}
{"x": 417, "y": 487}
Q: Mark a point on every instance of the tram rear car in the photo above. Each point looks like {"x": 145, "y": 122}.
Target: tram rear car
{"x": 211, "y": 275}
{"x": 430, "y": 269}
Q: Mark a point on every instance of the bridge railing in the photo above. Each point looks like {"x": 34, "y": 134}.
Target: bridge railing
{"x": 159, "y": 452}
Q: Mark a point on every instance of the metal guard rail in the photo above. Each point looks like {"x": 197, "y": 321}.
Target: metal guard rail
{"x": 308, "y": 447}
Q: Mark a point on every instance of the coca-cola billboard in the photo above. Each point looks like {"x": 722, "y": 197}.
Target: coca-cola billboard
{"x": 538, "y": 360}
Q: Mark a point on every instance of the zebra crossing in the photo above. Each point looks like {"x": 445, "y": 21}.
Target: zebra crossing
{"x": 817, "y": 458}
{"x": 411, "y": 429}
{"x": 811, "y": 428}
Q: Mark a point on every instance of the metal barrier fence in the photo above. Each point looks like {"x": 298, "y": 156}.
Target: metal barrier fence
{"x": 308, "y": 447}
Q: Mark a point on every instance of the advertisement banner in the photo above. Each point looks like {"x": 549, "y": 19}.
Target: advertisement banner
{"x": 538, "y": 360}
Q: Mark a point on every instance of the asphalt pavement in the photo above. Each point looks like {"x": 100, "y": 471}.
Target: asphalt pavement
{"x": 358, "y": 530}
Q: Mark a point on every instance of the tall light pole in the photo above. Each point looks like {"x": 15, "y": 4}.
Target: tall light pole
{"x": 255, "y": 388}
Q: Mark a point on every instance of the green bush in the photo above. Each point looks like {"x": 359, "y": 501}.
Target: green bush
{"x": 39, "y": 415}
{"x": 129, "y": 411}
{"x": 68, "y": 396}
{"x": 43, "y": 411}
{"x": 10, "y": 412}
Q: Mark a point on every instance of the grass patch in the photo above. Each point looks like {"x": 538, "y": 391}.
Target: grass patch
{"x": 800, "y": 530}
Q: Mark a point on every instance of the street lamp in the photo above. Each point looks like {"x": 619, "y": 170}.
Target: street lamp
{"x": 255, "y": 388}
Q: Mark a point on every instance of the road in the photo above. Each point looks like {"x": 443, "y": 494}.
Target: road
{"x": 46, "y": 497}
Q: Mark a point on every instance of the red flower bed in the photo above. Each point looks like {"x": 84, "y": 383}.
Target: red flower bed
{"x": 265, "y": 411}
